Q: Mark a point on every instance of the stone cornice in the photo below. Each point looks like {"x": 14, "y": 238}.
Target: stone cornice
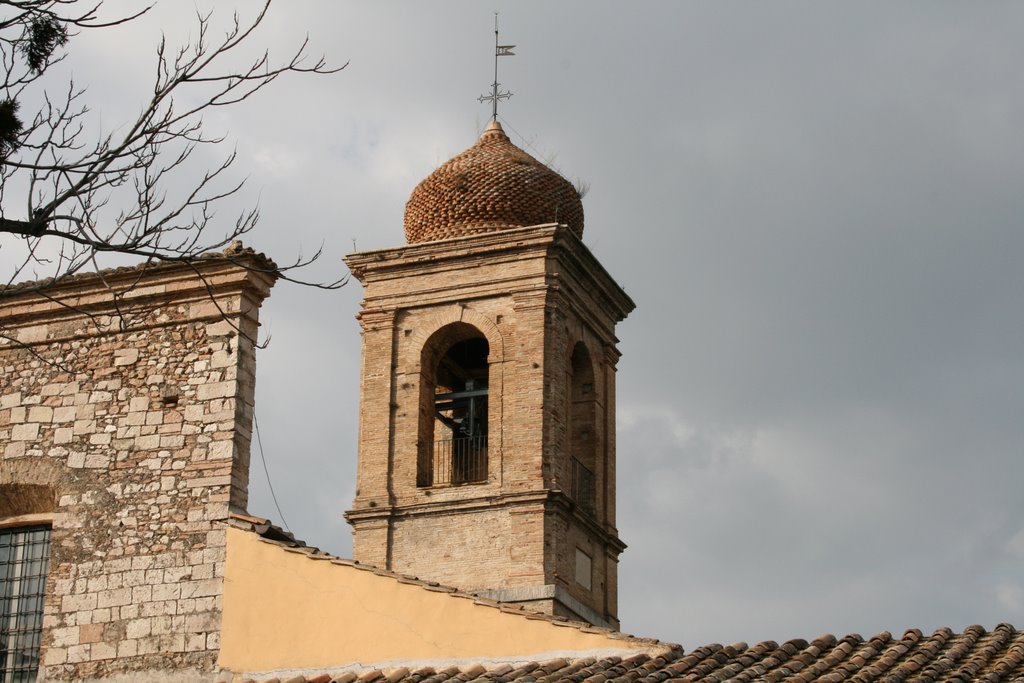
{"x": 129, "y": 291}
{"x": 549, "y": 498}
{"x": 545, "y": 241}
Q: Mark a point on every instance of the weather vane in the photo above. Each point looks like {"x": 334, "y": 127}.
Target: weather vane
{"x": 496, "y": 93}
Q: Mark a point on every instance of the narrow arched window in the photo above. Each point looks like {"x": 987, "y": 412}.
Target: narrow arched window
{"x": 582, "y": 430}
{"x": 453, "y": 426}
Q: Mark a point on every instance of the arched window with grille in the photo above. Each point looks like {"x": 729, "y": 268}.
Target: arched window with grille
{"x": 454, "y": 408}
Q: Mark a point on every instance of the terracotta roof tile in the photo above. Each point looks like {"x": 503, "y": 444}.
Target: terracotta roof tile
{"x": 944, "y": 656}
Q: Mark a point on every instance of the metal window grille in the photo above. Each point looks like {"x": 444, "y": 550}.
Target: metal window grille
{"x": 583, "y": 487}
{"x": 462, "y": 460}
{"x": 24, "y": 558}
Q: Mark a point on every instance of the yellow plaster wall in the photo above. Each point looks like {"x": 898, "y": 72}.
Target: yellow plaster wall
{"x": 283, "y": 610}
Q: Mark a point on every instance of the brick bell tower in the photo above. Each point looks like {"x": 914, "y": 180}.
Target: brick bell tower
{"x": 487, "y": 417}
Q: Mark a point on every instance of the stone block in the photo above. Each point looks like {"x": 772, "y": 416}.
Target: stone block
{"x": 206, "y": 392}
{"x": 78, "y": 653}
{"x": 141, "y": 594}
{"x": 124, "y": 357}
{"x": 83, "y": 427}
{"x": 42, "y": 414}
{"x": 138, "y": 628}
{"x": 14, "y": 449}
{"x": 102, "y": 650}
{"x": 172, "y": 441}
{"x": 220, "y": 450}
{"x": 203, "y": 571}
{"x": 221, "y": 328}
{"x": 25, "y": 432}
{"x": 198, "y": 589}
{"x": 90, "y": 633}
{"x": 97, "y": 460}
{"x": 64, "y": 636}
{"x": 79, "y": 603}
{"x": 55, "y": 656}
{"x": 199, "y": 482}
{"x": 100, "y": 439}
{"x": 64, "y": 414}
{"x": 148, "y": 645}
{"x": 127, "y": 648}
{"x": 165, "y": 592}
{"x": 195, "y": 642}
{"x": 113, "y": 598}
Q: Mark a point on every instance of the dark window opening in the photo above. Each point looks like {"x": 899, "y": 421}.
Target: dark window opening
{"x": 582, "y": 424}
{"x": 24, "y": 559}
{"x": 460, "y": 415}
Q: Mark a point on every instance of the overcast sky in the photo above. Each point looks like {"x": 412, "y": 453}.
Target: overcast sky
{"x": 817, "y": 208}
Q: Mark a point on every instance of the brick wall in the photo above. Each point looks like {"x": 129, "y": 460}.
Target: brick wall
{"x": 136, "y": 419}
{"x": 533, "y": 294}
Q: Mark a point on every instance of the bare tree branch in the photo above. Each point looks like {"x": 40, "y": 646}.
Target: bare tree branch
{"x": 115, "y": 192}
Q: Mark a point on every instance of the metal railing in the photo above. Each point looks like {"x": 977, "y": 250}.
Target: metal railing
{"x": 583, "y": 487}
{"x": 462, "y": 460}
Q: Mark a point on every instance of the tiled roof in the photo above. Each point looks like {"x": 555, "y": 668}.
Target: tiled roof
{"x": 974, "y": 655}
{"x": 491, "y": 186}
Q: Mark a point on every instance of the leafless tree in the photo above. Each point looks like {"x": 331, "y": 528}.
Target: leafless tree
{"x": 67, "y": 198}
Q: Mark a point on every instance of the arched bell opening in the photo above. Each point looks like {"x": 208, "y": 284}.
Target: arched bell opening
{"x": 454, "y": 408}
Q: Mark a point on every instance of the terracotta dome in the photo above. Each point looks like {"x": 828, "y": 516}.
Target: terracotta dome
{"x": 491, "y": 186}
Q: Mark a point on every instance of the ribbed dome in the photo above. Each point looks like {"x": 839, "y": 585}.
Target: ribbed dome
{"x": 491, "y": 186}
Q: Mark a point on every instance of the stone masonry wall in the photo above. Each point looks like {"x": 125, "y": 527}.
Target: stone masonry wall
{"x": 142, "y": 437}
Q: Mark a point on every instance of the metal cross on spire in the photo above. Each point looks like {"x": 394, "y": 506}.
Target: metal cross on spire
{"x": 496, "y": 93}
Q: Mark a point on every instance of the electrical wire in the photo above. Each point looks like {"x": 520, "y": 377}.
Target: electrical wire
{"x": 259, "y": 445}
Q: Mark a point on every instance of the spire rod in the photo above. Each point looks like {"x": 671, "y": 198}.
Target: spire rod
{"x": 496, "y": 92}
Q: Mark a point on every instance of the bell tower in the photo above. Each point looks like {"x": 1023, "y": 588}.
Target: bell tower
{"x": 487, "y": 414}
